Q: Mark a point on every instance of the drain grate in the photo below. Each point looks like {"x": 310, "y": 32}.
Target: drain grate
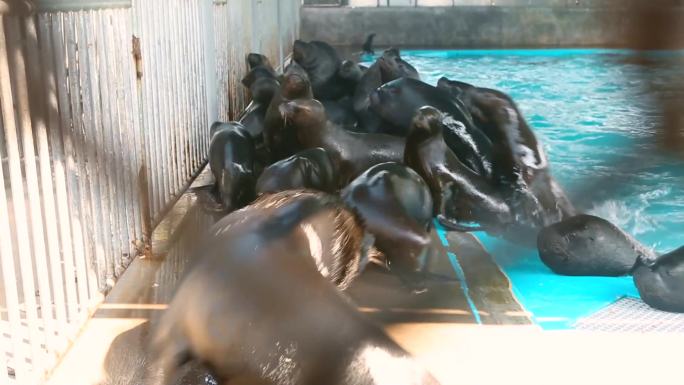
{"x": 632, "y": 315}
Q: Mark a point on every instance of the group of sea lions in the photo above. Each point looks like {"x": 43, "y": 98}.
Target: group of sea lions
{"x": 335, "y": 165}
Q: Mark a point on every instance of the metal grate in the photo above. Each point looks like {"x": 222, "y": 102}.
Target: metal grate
{"x": 632, "y": 315}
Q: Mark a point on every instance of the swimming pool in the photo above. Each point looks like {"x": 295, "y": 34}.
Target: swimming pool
{"x": 596, "y": 123}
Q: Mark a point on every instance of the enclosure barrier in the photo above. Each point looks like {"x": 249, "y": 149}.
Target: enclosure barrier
{"x": 105, "y": 107}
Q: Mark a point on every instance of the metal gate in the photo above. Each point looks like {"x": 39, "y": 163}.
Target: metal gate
{"x": 105, "y": 107}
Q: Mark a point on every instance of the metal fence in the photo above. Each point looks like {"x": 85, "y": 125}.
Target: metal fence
{"x": 105, "y": 107}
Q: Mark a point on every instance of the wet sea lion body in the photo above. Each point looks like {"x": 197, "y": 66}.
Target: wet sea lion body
{"x": 459, "y": 194}
{"x": 268, "y": 313}
{"x": 588, "y": 245}
{"x": 231, "y": 159}
{"x": 396, "y": 206}
{"x": 660, "y": 280}
{"x": 308, "y": 169}
{"x": 352, "y": 153}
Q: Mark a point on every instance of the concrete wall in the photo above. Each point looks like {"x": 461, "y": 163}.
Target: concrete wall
{"x": 520, "y": 24}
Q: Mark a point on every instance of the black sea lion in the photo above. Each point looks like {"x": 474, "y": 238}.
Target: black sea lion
{"x": 295, "y": 85}
{"x": 368, "y": 120}
{"x": 340, "y": 112}
{"x": 352, "y": 153}
{"x": 231, "y": 159}
{"x": 393, "y": 67}
{"x": 519, "y": 158}
{"x": 255, "y": 60}
{"x": 308, "y": 169}
{"x": 459, "y": 194}
{"x": 660, "y": 280}
{"x": 255, "y": 305}
{"x": 367, "y": 48}
{"x": 396, "y": 206}
{"x": 588, "y": 245}
{"x": 321, "y": 62}
{"x": 262, "y": 84}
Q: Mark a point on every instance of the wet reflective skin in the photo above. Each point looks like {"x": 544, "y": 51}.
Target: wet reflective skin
{"x": 587, "y": 245}
{"x": 308, "y": 169}
{"x": 295, "y": 84}
{"x": 660, "y": 280}
{"x": 459, "y": 194}
{"x": 396, "y": 206}
{"x": 231, "y": 159}
{"x": 352, "y": 153}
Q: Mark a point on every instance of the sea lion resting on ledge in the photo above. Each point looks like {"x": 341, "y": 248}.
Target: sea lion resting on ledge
{"x": 266, "y": 312}
{"x": 352, "y": 153}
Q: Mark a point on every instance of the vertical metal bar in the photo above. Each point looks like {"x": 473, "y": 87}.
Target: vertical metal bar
{"x": 90, "y": 139}
{"x": 64, "y": 290}
{"x": 159, "y": 82}
{"x": 40, "y": 261}
{"x": 93, "y": 241}
{"x": 128, "y": 149}
{"x": 170, "y": 125}
{"x": 18, "y": 198}
{"x": 191, "y": 69}
{"x": 152, "y": 107}
{"x": 203, "y": 113}
{"x": 178, "y": 128}
{"x": 8, "y": 268}
{"x": 136, "y": 121}
{"x": 109, "y": 163}
{"x": 124, "y": 177}
{"x": 146, "y": 110}
{"x": 39, "y": 118}
{"x": 72, "y": 185}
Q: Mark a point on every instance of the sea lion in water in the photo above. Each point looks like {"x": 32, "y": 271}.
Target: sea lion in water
{"x": 295, "y": 85}
{"x": 308, "y": 169}
{"x": 287, "y": 324}
{"x": 459, "y": 194}
{"x": 396, "y": 206}
{"x": 322, "y": 63}
{"x": 660, "y": 280}
{"x": 231, "y": 160}
{"x": 367, "y": 48}
{"x": 352, "y": 153}
{"x": 589, "y": 245}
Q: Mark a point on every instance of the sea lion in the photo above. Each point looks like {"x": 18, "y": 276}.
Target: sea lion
{"x": 295, "y": 84}
{"x": 287, "y": 323}
{"x": 393, "y": 67}
{"x": 262, "y": 84}
{"x": 588, "y": 245}
{"x": 308, "y": 169}
{"x": 321, "y": 62}
{"x": 340, "y": 112}
{"x": 367, "y": 48}
{"x": 519, "y": 158}
{"x": 231, "y": 160}
{"x": 255, "y": 60}
{"x": 396, "y": 206}
{"x": 660, "y": 280}
{"x": 352, "y": 153}
{"x": 368, "y": 120}
{"x": 459, "y": 194}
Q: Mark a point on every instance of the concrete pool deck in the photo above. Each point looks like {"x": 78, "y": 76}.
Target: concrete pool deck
{"x": 440, "y": 327}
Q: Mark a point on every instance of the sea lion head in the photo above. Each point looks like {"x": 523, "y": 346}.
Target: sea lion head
{"x": 427, "y": 122}
{"x": 262, "y": 84}
{"x": 256, "y": 60}
{"x": 303, "y": 114}
{"x": 295, "y": 83}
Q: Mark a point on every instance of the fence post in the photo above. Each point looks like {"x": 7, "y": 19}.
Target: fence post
{"x": 210, "y": 64}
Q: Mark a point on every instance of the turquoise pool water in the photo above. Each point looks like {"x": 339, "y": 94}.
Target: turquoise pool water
{"x": 597, "y": 123}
